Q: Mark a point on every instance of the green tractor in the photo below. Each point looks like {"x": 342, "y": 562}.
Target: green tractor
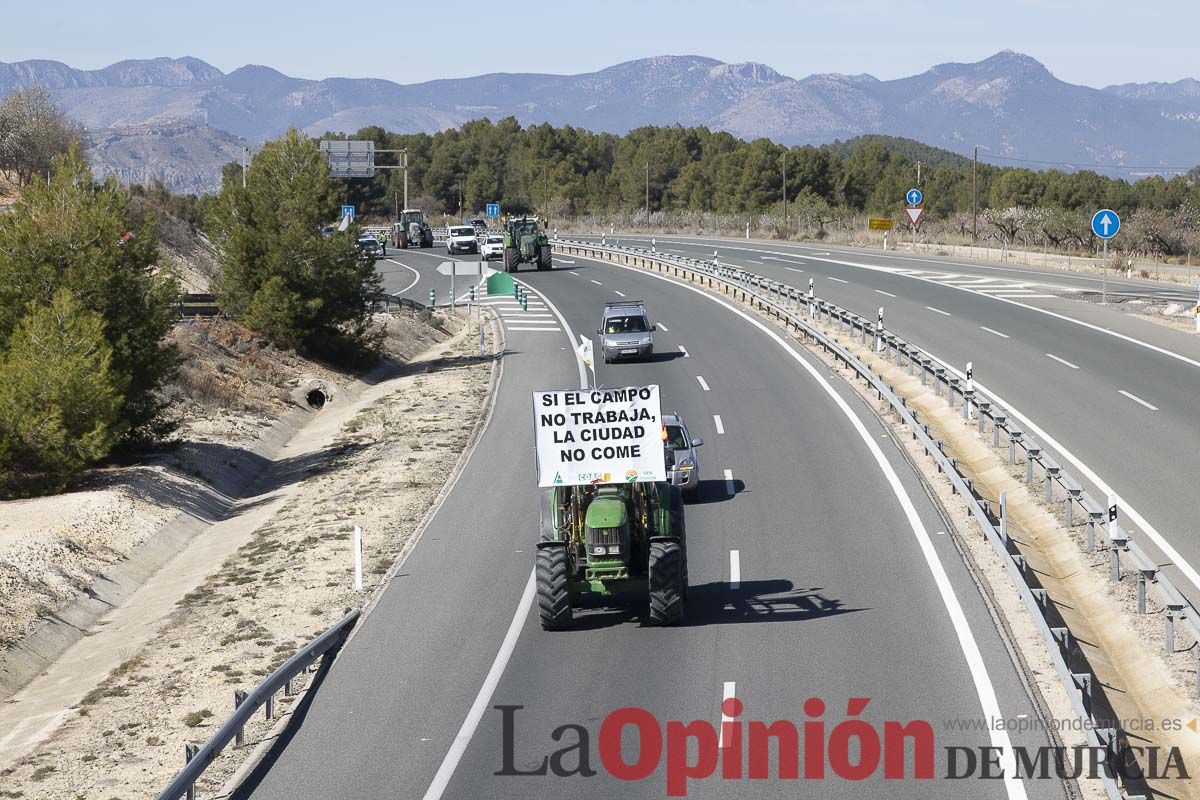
{"x": 525, "y": 243}
{"x": 412, "y": 230}
{"x": 598, "y": 541}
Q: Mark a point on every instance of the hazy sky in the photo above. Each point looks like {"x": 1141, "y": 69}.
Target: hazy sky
{"x": 1093, "y": 42}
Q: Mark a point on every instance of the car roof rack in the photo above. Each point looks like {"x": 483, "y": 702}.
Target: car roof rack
{"x": 616, "y": 303}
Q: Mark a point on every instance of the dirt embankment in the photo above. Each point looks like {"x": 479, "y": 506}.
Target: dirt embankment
{"x": 383, "y": 468}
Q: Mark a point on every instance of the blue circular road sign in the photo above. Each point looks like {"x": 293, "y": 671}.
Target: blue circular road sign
{"x": 914, "y": 197}
{"x": 1106, "y": 223}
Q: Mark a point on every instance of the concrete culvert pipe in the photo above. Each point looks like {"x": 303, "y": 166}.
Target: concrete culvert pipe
{"x": 314, "y": 394}
{"x": 316, "y": 399}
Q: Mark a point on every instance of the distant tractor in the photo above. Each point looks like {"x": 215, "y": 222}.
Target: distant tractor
{"x": 412, "y": 230}
{"x": 525, "y": 243}
{"x": 599, "y": 541}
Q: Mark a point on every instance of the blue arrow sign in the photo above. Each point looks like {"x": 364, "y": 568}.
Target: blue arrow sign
{"x": 1106, "y": 223}
{"x": 348, "y": 211}
{"x": 914, "y": 197}
{"x": 493, "y": 209}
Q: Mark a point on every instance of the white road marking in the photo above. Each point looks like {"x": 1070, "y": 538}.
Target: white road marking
{"x": 729, "y": 483}
{"x": 598, "y": 283}
{"x": 522, "y": 328}
{"x": 881, "y": 291}
{"x": 410, "y": 269}
{"x": 565, "y": 261}
{"x": 573, "y": 272}
{"x": 997, "y": 333}
{"x": 703, "y": 385}
{"x": 720, "y": 427}
{"x": 729, "y": 691}
{"x": 793, "y": 269}
{"x": 735, "y": 569}
{"x": 664, "y": 327}
{"x": 839, "y": 280}
{"x": 984, "y": 690}
{"x": 1024, "y": 297}
{"x": 619, "y": 294}
{"x": 752, "y": 261}
{"x": 1061, "y": 360}
{"x": 1137, "y": 399}
{"x": 683, "y": 350}
{"x": 939, "y": 311}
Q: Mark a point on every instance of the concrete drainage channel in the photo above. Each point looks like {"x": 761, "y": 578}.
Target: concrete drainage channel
{"x": 806, "y": 315}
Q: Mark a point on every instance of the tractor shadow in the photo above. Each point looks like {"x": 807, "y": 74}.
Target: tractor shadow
{"x": 714, "y": 491}
{"x": 717, "y": 604}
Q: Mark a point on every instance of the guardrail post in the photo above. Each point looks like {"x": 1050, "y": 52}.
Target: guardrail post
{"x": 951, "y": 387}
{"x": 189, "y": 752}
{"x": 1094, "y": 519}
{"x": 1145, "y": 575}
{"x": 998, "y": 422}
{"x": 239, "y": 697}
{"x": 1051, "y": 474}
{"x": 287, "y": 688}
{"x": 1014, "y": 438}
{"x": 968, "y": 397}
{"x": 1032, "y": 452}
{"x": 984, "y": 407}
{"x": 939, "y": 375}
{"x": 1174, "y": 609}
{"x": 1084, "y": 681}
{"x": 270, "y": 708}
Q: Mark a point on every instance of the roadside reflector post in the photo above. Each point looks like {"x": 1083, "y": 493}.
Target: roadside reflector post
{"x": 653, "y": 246}
{"x": 1112, "y": 515}
{"x": 357, "y": 559}
{"x": 1116, "y": 544}
{"x": 879, "y": 331}
{"x": 1004, "y": 516}
{"x": 748, "y": 234}
{"x": 969, "y": 391}
{"x": 432, "y": 298}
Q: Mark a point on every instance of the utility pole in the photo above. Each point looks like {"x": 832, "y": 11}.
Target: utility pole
{"x": 975, "y": 197}
{"x": 647, "y": 194}
{"x": 245, "y": 164}
{"x": 918, "y": 173}
{"x": 785, "y": 216}
{"x": 545, "y": 190}
{"x": 404, "y": 156}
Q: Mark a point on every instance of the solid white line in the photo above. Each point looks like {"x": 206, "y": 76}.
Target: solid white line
{"x": 573, "y": 272}
{"x": 621, "y": 294}
{"x": 463, "y": 738}
{"x": 1030, "y": 297}
{"x": 515, "y": 328}
{"x": 720, "y": 427}
{"x": 529, "y": 319}
{"x": 729, "y": 483}
{"x": 1170, "y": 552}
{"x": 984, "y": 689}
{"x": 565, "y": 261}
{"x": 793, "y": 269}
{"x": 1137, "y": 399}
{"x": 410, "y": 269}
{"x": 881, "y": 291}
{"x": 703, "y": 385}
{"x": 752, "y": 261}
{"x": 598, "y": 283}
{"x": 997, "y": 333}
{"x": 683, "y": 350}
{"x": 459, "y": 746}
{"x": 729, "y": 691}
{"x": 735, "y": 569}
{"x": 939, "y": 311}
{"x": 1061, "y": 360}
{"x": 839, "y": 280}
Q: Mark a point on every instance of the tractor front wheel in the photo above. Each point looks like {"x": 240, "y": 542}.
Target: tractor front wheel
{"x": 666, "y": 583}
{"x": 544, "y": 257}
{"x": 553, "y": 596}
{"x": 402, "y": 241}
{"x": 511, "y": 259}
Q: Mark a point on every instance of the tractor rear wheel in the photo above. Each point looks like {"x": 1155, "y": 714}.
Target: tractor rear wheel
{"x": 511, "y": 259}
{"x": 402, "y": 241}
{"x": 666, "y": 583}
{"x": 679, "y": 528}
{"x": 544, "y": 257}
{"x": 553, "y": 596}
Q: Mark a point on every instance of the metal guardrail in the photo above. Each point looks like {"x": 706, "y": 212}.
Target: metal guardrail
{"x": 199, "y": 758}
{"x": 802, "y": 310}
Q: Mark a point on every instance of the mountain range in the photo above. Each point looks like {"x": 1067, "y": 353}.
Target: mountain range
{"x": 180, "y": 119}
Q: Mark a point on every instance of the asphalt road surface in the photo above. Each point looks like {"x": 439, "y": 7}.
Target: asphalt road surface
{"x": 1116, "y": 393}
{"x": 819, "y": 569}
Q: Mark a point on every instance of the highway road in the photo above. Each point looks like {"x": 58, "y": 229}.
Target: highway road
{"x": 819, "y": 569}
{"x": 1115, "y": 392}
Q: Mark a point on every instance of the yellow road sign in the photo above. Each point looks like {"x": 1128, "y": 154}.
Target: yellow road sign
{"x": 877, "y": 224}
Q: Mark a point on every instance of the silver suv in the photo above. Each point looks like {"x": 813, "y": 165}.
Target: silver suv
{"x": 683, "y": 465}
{"x": 626, "y": 331}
